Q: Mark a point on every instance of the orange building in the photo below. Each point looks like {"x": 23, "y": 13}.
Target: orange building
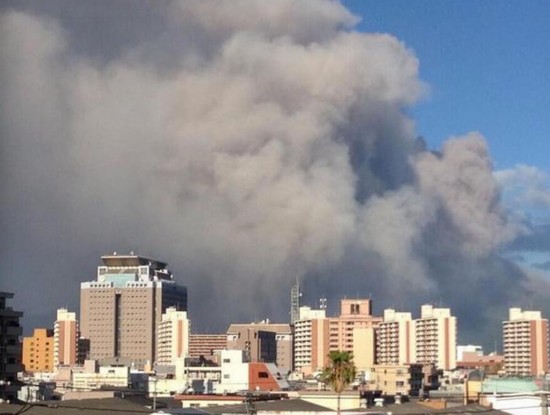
{"x": 38, "y": 351}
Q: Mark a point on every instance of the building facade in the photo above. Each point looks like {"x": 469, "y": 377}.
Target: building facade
{"x": 525, "y": 343}
{"x": 435, "y": 333}
{"x": 120, "y": 311}
{"x": 239, "y": 334}
{"x": 353, "y": 331}
{"x": 395, "y": 339}
{"x": 206, "y": 344}
{"x": 10, "y": 348}
{"x": 38, "y": 351}
{"x": 65, "y": 343}
{"x": 173, "y": 337}
{"x": 258, "y": 344}
{"x": 311, "y": 340}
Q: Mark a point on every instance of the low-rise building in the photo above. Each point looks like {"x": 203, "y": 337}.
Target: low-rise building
{"x": 94, "y": 377}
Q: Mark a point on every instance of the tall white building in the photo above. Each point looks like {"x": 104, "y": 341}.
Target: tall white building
{"x": 395, "y": 339}
{"x": 173, "y": 337}
{"x": 310, "y": 340}
{"x": 525, "y": 342}
{"x": 65, "y": 339}
{"x": 435, "y": 333}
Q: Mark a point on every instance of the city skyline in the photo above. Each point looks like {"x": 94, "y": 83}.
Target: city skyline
{"x": 394, "y": 339}
{"x": 249, "y": 154}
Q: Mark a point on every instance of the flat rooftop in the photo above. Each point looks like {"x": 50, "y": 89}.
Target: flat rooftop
{"x": 116, "y": 260}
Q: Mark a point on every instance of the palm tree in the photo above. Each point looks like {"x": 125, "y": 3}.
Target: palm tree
{"x": 339, "y": 372}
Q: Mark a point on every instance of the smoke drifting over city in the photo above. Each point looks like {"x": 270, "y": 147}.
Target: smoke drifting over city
{"x": 247, "y": 145}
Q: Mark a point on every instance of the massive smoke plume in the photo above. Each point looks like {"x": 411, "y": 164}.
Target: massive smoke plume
{"x": 247, "y": 144}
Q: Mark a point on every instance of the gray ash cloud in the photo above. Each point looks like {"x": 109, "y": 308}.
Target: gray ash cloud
{"x": 246, "y": 145}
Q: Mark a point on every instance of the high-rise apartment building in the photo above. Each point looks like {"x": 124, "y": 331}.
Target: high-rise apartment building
{"x": 353, "y": 331}
{"x": 435, "y": 333}
{"x": 395, "y": 339}
{"x": 525, "y": 342}
{"x": 310, "y": 340}
{"x": 65, "y": 343}
{"x": 173, "y": 337}
{"x": 120, "y": 312}
{"x": 10, "y": 348}
{"x": 38, "y": 351}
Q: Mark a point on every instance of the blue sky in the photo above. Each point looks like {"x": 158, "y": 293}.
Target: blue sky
{"x": 487, "y": 64}
{"x": 488, "y": 67}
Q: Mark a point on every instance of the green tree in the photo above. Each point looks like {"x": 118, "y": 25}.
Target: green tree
{"x": 339, "y": 372}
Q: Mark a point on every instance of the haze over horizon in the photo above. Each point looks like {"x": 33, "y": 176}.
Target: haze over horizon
{"x": 248, "y": 144}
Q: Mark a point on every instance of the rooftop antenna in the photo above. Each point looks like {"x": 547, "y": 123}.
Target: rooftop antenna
{"x": 295, "y": 295}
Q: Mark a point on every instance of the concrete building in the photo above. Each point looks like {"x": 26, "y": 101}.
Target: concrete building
{"x": 395, "y": 339}
{"x": 238, "y": 374}
{"x": 263, "y": 342}
{"x": 463, "y": 351}
{"x": 65, "y": 342}
{"x": 206, "y": 344}
{"x": 435, "y": 333}
{"x": 310, "y": 340}
{"x": 38, "y": 351}
{"x": 525, "y": 343}
{"x": 396, "y": 379}
{"x": 353, "y": 331}
{"x": 120, "y": 312}
{"x": 10, "y": 348}
{"x": 95, "y": 377}
{"x": 173, "y": 337}
{"x": 257, "y": 344}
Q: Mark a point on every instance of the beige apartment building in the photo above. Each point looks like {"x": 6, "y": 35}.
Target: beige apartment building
{"x": 395, "y": 339}
{"x": 173, "y": 337}
{"x": 65, "y": 339}
{"x": 435, "y": 333}
{"x": 263, "y": 342}
{"x": 352, "y": 331}
{"x": 38, "y": 351}
{"x": 525, "y": 342}
{"x": 311, "y": 345}
{"x": 121, "y": 310}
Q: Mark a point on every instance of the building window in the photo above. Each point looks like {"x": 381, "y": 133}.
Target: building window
{"x": 263, "y": 375}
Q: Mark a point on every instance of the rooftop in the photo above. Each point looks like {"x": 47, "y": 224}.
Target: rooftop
{"x": 116, "y": 260}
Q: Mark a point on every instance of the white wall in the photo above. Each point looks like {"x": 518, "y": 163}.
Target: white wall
{"x": 517, "y": 405}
